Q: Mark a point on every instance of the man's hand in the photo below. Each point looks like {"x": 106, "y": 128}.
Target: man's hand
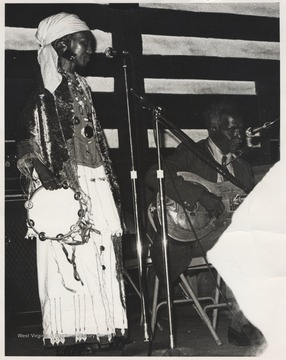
{"x": 48, "y": 179}
{"x": 212, "y": 204}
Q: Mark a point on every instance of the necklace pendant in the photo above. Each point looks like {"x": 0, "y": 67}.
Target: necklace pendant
{"x": 88, "y": 131}
{"x": 80, "y": 109}
{"x": 76, "y": 120}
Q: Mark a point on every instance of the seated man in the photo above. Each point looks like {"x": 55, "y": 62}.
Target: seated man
{"x": 225, "y": 128}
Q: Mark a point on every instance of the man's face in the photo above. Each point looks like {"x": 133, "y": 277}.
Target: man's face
{"x": 82, "y": 45}
{"x": 227, "y": 135}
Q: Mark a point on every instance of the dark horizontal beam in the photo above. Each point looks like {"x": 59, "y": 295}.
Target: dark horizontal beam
{"x": 30, "y": 15}
{"x": 186, "y": 110}
{"x": 210, "y": 25}
{"x": 152, "y": 21}
{"x": 210, "y": 68}
{"x": 96, "y": 16}
{"x": 23, "y": 64}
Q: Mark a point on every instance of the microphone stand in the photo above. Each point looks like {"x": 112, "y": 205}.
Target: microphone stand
{"x": 160, "y": 176}
{"x": 156, "y": 114}
{"x": 133, "y": 176}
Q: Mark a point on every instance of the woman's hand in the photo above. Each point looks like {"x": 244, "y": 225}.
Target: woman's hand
{"x": 48, "y": 179}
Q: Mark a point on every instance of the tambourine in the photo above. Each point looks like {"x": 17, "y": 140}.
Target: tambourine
{"x": 56, "y": 215}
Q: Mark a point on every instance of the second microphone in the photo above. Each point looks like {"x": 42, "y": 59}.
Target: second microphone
{"x": 110, "y": 53}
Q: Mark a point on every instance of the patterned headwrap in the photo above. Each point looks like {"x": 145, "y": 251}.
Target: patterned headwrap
{"x": 49, "y": 30}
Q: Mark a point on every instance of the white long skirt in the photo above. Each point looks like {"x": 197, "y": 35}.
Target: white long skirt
{"x": 91, "y": 307}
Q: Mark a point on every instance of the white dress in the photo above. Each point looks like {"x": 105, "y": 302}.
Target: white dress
{"x": 92, "y": 306}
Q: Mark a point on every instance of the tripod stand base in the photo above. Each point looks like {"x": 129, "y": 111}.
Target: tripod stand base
{"x": 137, "y": 348}
{"x": 183, "y": 351}
{"x": 156, "y": 349}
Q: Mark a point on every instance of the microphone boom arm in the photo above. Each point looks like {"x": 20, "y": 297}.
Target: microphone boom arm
{"x": 191, "y": 145}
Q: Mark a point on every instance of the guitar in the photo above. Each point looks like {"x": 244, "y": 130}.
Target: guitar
{"x": 179, "y": 219}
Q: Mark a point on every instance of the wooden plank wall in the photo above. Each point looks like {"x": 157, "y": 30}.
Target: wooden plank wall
{"x": 183, "y": 56}
{"x": 202, "y": 51}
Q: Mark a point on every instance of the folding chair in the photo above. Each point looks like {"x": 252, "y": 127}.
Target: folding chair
{"x": 188, "y": 294}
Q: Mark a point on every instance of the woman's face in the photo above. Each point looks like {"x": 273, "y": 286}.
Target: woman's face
{"x": 82, "y": 45}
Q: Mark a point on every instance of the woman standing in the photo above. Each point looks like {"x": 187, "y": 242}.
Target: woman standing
{"x": 61, "y": 143}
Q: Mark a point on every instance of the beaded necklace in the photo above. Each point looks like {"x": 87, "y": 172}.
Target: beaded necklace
{"x": 84, "y": 106}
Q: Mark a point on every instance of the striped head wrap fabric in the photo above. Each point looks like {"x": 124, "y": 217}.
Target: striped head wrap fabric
{"x": 50, "y": 29}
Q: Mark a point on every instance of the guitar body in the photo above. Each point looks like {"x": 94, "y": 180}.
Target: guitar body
{"x": 181, "y": 222}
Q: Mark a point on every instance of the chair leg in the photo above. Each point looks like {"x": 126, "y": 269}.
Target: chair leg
{"x": 196, "y": 302}
{"x": 125, "y": 273}
{"x": 216, "y": 298}
{"x": 200, "y": 309}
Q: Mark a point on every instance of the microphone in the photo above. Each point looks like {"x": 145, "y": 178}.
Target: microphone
{"x": 110, "y": 53}
{"x": 250, "y": 132}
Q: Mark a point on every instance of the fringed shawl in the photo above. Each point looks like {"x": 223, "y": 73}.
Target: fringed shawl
{"x": 46, "y": 129}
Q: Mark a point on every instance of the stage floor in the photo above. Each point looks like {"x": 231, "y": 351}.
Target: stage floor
{"x": 192, "y": 337}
